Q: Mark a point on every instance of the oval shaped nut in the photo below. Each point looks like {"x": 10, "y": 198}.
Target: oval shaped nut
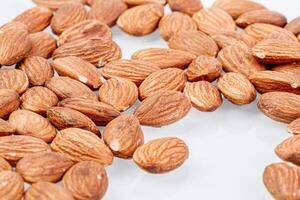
{"x": 9, "y": 102}
{"x": 4, "y": 165}
{"x": 107, "y": 11}
{"x": 294, "y": 127}
{"x": 141, "y": 20}
{"x": 80, "y": 145}
{"x": 42, "y": 44}
{"x": 238, "y": 58}
{"x": 165, "y": 58}
{"x": 118, "y": 92}
{"x": 289, "y": 150}
{"x": 101, "y": 113}
{"x": 194, "y": 42}
{"x": 171, "y": 79}
{"x": 293, "y": 68}
{"x": 237, "y": 88}
{"x": 174, "y": 24}
{"x": 86, "y": 180}
{"x": 294, "y": 26}
{"x": 47, "y": 166}
{"x": 214, "y": 20}
{"x": 203, "y": 95}
{"x": 54, "y": 4}
{"x": 204, "y": 68}
{"x": 280, "y": 106}
{"x": 6, "y": 128}
{"x": 163, "y": 108}
{"x": 47, "y": 191}
{"x": 12, "y": 185}
{"x": 123, "y": 135}
{"x": 161, "y": 155}
{"x": 78, "y": 69}
{"x": 186, "y": 6}
{"x": 36, "y": 19}
{"x": 133, "y": 70}
{"x": 228, "y": 38}
{"x": 13, "y": 79}
{"x": 139, "y": 2}
{"x": 65, "y": 87}
{"x": 63, "y": 118}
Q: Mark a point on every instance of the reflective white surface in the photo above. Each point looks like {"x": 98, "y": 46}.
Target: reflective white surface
{"x": 229, "y": 148}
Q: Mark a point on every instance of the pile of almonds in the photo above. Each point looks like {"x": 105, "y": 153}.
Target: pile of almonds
{"x": 48, "y": 122}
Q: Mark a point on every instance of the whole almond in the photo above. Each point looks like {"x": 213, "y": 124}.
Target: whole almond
{"x": 237, "y": 88}
{"x": 4, "y": 165}
{"x": 294, "y": 127}
{"x": 294, "y": 26}
{"x": 171, "y": 79}
{"x": 6, "y": 128}
{"x": 13, "y": 79}
{"x": 139, "y": 2}
{"x": 81, "y": 145}
{"x": 290, "y": 68}
{"x": 161, "y": 155}
{"x": 163, "y": 108}
{"x": 123, "y": 135}
{"x": 228, "y": 38}
{"x": 118, "y": 92}
{"x": 55, "y": 4}
{"x": 9, "y": 102}
{"x": 289, "y": 150}
{"x": 42, "y": 44}
{"x": 186, "y": 6}
{"x": 141, "y": 20}
{"x": 12, "y": 185}
{"x": 280, "y": 106}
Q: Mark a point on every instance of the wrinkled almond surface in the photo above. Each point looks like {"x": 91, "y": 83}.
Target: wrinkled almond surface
{"x": 294, "y": 127}
{"x": 6, "y": 128}
{"x": 4, "y": 165}
{"x": 12, "y": 185}
{"x": 13, "y": 79}
{"x": 186, "y": 6}
{"x": 290, "y": 68}
{"x": 294, "y": 26}
{"x": 9, "y": 102}
{"x": 42, "y": 44}
{"x": 55, "y": 4}
{"x": 228, "y": 38}
{"x": 289, "y": 150}
{"x": 139, "y": 2}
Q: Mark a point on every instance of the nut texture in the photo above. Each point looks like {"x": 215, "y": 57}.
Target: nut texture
{"x": 6, "y": 129}
{"x": 228, "y": 38}
{"x": 294, "y": 26}
{"x": 139, "y": 2}
{"x": 12, "y": 185}
{"x": 294, "y": 127}
{"x": 13, "y": 79}
{"x": 42, "y": 44}
{"x": 4, "y": 165}
{"x": 54, "y": 4}
{"x": 289, "y": 150}
{"x": 9, "y": 102}
{"x": 186, "y": 6}
{"x": 293, "y": 68}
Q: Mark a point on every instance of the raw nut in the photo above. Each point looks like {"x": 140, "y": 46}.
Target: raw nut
{"x": 118, "y": 92}
{"x": 65, "y": 87}
{"x": 271, "y": 81}
{"x": 280, "y": 106}
{"x": 237, "y": 88}
{"x": 47, "y": 191}
{"x": 204, "y": 68}
{"x": 36, "y": 19}
{"x": 294, "y": 26}
{"x": 9, "y": 102}
{"x": 123, "y": 135}
{"x": 165, "y": 58}
{"x": 174, "y": 24}
{"x": 13, "y": 79}
{"x": 107, "y": 11}
{"x": 139, "y": 2}
{"x": 161, "y": 155}
{"x": 101, "y": 113}
{"x": 68, "y": 118}
{"x": 29, "y": 123}
{"x": 86, "y": 180}
{"x": 141, "y": 20}
{"x": 186, "y": 6}
{"x": 38, "y": 99}
{"x": 13, "y": 148}
{"x": 214, "y": 20}
{"x": 289, "y": 150}
{"x": 294, "y": 127}
{"x": 15, "y": 43}
{"x": 238, "y": 58}
{"x": 43, "y": 44}
{"x": 228, "y": 38}
{"x": 67, "y": 15}
{"x": 78, "y": 69}
{"x": 163, "y": 108}
{"x": 171, "y": 79}
{"x": 203, "y": 95}
{"x": 4, "y": 165}
{"x": 6, "y": 128}
{"x": 12, "y": 185}
{"x": 289, "y": 68}
{"x": 282, "y": 181}
{"x": 54, "y": 4}
{"x": 80, "y": 145}
{"x": 194, "y": 42}
{"x": 46, "y": 166}
{"x": 133, "y": 70}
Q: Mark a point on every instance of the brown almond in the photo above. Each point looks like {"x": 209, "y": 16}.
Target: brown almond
{"x": 9, "y": 102}
{"x": 228, "y": 38}
{"x": 139, "y": 2}
{"x": 186, "y": 6}
{"x": 55, "y": 4}
{"x": 4, "y": 165}
{"x": 6, "y": 128}
{"x": 13, "y": 79}
{"x": 289, "y": 68}
{"x": 43, "y": 44}
{"x": 294, "y": 26}
{"x": 12, "y": 185}
{"x": 288, "y": 150}
{"x": 294, "y": 127}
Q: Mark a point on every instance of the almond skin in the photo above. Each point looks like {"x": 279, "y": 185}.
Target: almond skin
{"x": 55, "y": 4}
{"x": 42, "y": 44}
{"x": 186, "y": 6}
{"x": 294, "y": 127}
{"x": 294, "y": 26}
{"x": 237, "y": 88}
{"x": 228, "y": 38}
{"x": 290, "y": 68}
{"x": 80, "y": 145}
{"x": 12, "y": 185}
{"x": 123, "y": 135}
{"x": 9, "y": 102}
{"x": 4, "y": 165}
{"x": 163, "y": 108}
{"x": 13, "y": 79}
{"x": 161, "y": 155}
{"x": 288, "y": 150}
{"x": 139, "y": 2}
{"x": 6, "y": 129}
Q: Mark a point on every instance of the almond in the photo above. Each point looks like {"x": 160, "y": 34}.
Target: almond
{"x": 139, "y": 2}
{"x": 161, "y": 155}
{"x": 13, "y": 79}
{"x": 237, "y": 88}
{"x": 81, "y": 145}
{"x": 12, "y": 185}
{"x": 228, "y": 38}
{"x": 43, "y": 44}
{"x": 288, "y": 150}
{"x": 186, "y": 6}
{"x": 294, "y": 127}
{"x": 290, "y": 68}
{"x": 294, "y": 26}
{"x": 141, "y": 20}
{"x": 163, "y": 108}
{"x": 4, "y": 165}
{"x": 6, "y": 128}
{"x": 54, "y": 4}
{"x": 9, "y": 102}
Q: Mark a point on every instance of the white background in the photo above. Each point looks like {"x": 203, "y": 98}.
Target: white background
{"x": 229, "y": 148}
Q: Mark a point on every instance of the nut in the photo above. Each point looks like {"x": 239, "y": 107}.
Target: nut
{"x": 14, "y": 79}
{"x": 9, "y": 102}
{"x": 186, "y": 6}
{"x": 12, "y": 185}
{"x": 6, "y": 128}
{"x": 42, "y": 44}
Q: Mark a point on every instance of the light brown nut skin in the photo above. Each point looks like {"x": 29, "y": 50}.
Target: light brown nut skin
{"x": 290, "y": 68}
{"x": 4, "y": 165}
{"x": 237, "y": 88}
{"x": 42, "y": 44}
{"x": 12, "y": 185}
{"x": 280, "y": 106}
{"x": 101, "y": 113}
{"x": 161, "y": 155}
{"x": 294, "y": 26}
{"x": 139, "y": 2}
{"x": 86, "y": 180}
{"x": 228, "y": 38}
{"x": 294, "y": 127}
{"x": 289, "y": 150}
{"x": 141, "y": 20}
{"x": 14, "y": 79}
{"x": 171, "y": 79}
{"x": 186, "y": 6}
{"x": 203, "y": 95}
{"x": 36, "y": 19}
{"x": 123, "y": 135}
{"x": 81, "y": 145}
{"x": 47, "y": 191}
{"x": 55, "y": 4}
{"x": 6, "y": 128}
{"x": 163, "y": 108}
{"x": 9, "y": 102}
{"x": 118, "y": 92}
